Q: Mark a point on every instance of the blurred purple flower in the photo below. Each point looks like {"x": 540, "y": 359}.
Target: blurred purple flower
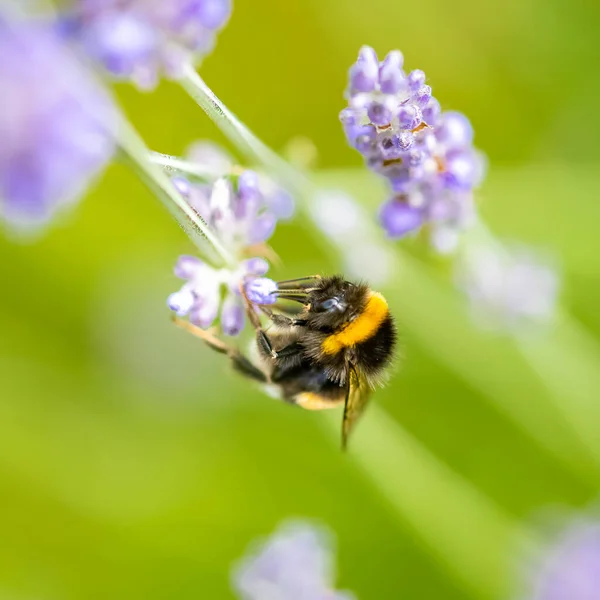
{"x": 426, "y": 155}
{"x": 571, "y": 568}
{"x": 139, "y": 39}
{"x": 55, "y": 125}
{"x": 294, "y": 564}
{"x": 508, "y": 287}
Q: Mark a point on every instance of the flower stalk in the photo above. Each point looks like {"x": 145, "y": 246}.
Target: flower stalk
{"x": 141, "y": 160}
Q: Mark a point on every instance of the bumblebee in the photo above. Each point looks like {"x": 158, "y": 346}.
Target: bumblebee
{"x": 333, "y": 351}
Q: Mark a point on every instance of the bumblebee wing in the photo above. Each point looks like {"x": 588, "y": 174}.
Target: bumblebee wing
{"x": 357, "y": 398}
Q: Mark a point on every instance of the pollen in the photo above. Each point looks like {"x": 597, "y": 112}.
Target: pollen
{"x": 361, "y": 329}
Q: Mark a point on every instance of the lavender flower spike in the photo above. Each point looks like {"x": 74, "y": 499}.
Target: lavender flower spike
{"x": 55, "y": 125}
{"x": 571, "y": 568}
{"x": 270, "y": 196}
{"x": 140, "y": 39}
{"x": 243, "y": 219}
{"x": 426, "y": 155}
{"x": 295, "y": 564}
{"x": 201, "y": 296}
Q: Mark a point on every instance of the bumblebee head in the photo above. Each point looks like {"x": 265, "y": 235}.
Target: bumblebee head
{"x": 330, "y": 303}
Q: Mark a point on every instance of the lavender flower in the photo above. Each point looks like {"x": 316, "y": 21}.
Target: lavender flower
{"x": 426, "y": 155}
{"x": 294, "y": 564}
{"x": 508, "y": 287}
{"x": 55, "y": 125}
{"x": 200, "y": 298}
{"x": 270, "y": 196}
{"x": 571, "y": 568}
{"x": 243, "y": 223}
{"x": 138, "y": 39}
{"x": 240, "y": 219}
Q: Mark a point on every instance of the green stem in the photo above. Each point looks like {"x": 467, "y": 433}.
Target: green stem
{"x": 174, "y": 165}
{"x": 139, "y": 157}
{"x": 250, "y": 146}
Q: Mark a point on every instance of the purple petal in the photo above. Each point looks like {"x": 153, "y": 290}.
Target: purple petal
{"x": 181, "y": 302}
{"x": 255, "y": 266}
{"x": 204, "y": 311}
{"x": 364, "y": 74}
{"x": 391, "y": 76}
{"x": 281, "y": 204}
{"x": 454, "y": 130}
{"x": 431, "y": 112}
{"x": 120, "y": 42}
{"x": 187, "y": 267}
{"x": 423, "y": 95}
{"x": 262, "y": 228}
{"x": 410, "y": 116}
{"x": 260, "y": 290}
{"x": 212, "y": 14}
{"x": 379, "y": 114}
{"x": 398, "y": 218}
{"x": 416, "y": 79}
{"x": 232, "y": 315}
{"x": 461, "y": 170}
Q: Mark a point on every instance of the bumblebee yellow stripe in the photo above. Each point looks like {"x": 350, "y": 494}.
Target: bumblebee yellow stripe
{"x": 361, "y": 329}
{"x": 312, "y": 401}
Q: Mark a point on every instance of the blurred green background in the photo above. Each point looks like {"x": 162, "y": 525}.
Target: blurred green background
{"x": 133, "y": 464}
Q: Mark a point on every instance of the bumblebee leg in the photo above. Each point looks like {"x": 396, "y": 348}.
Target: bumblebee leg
{"x": 261, "y": 337}
{"x": 279, "y": 319}
{"x": 239, "y": 361}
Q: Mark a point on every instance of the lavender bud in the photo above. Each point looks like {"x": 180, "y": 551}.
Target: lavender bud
{"x": 211, "y": 14}
{"x": 409, "y": 116}
{"x": 405, "y": 140}
{"x": 391, "y": 76}
{"x": 364, "y": 74}
{"x": 461, "y": 169}
{"x": 416, "y": 79}
{"x": 262, "y": 228}
{"x": 181, "y": 302}
{"x": 423, "y": 95}
{"x": 232, "y": 316}
{"x": 205, "y": 310}
{"x": 379, "y": 114}
{"x": 121, "y": 43}
{"x": 431, "y": 112}
{"x": 398, "y": 218}
{"x": 187, "y": 267}
{"x": 255, "y": 266}
{"x": 261, "y": 290}
{"x": 248, "y": 184}
{"x": 281, "y": 204}
{"x": 454, "y": 130}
